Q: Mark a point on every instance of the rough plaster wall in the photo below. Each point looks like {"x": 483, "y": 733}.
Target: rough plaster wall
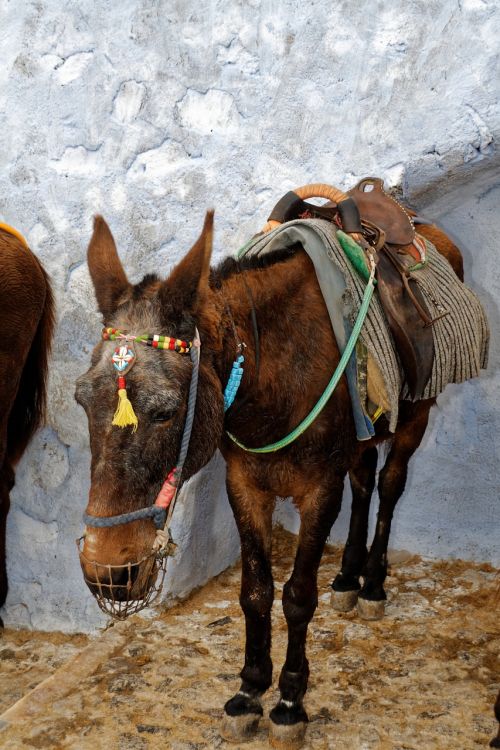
{"x": 453, "y": 499}
{"x": 151, "y": 111}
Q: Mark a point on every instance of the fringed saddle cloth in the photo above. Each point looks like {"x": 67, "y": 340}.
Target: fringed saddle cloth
{"x": 375, "y": 376}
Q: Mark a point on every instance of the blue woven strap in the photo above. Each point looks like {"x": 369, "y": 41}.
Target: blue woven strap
{"x": 153, "y": 511}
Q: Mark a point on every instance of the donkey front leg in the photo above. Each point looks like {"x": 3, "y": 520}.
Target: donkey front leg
{"x": 300, "y": 599}
{"x": 253, "y": 513}
{"x": 392, "y": 481}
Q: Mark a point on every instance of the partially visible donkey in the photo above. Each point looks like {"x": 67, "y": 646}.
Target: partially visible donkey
{"x": 26, "y": 326}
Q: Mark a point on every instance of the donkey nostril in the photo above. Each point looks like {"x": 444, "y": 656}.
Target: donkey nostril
{"x": 111, "y": 580}
{"x": 125, "y": 576}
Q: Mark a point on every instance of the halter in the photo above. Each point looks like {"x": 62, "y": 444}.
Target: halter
{"x": 161, "y": 511}
{"x": 123, "y": 359}
{"x": 167, "y": 495}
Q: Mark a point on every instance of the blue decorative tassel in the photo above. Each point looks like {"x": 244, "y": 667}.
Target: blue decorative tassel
{"x": 234, "y": 382}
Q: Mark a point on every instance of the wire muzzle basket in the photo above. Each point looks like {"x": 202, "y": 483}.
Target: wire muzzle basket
{"x": 139, "y": 583}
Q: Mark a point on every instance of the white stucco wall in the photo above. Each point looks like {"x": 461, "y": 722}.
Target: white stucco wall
{"x": 150, "y": 112}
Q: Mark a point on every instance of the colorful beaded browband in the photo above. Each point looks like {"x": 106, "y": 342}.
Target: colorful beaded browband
{"x": 149, "y": 339}
{"x": 124, "y": 358}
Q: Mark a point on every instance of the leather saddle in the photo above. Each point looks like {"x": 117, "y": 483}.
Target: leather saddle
{"x": 378, "y": 221}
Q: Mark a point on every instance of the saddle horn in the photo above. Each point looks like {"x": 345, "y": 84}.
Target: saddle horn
{"x": 316, "y": 190}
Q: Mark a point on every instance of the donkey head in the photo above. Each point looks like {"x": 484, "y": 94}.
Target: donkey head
{"x": 128, "y": 467}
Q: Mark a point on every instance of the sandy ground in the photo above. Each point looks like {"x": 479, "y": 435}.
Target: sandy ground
{"x": 425, "y": 677}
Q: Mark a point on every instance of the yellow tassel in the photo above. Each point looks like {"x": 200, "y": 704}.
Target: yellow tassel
{"x": 125, "y": 414}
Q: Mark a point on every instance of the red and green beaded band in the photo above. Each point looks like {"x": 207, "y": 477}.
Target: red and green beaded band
{"x": 149, "y": 339}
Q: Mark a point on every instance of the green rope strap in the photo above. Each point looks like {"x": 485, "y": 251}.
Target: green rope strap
{"x": 417, "y": 266}
{"x": 307, "y": 421}
{"x": 355, "y": 254}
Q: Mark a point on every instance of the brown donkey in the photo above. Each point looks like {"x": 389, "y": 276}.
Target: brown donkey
{"x": 26, "y": 326}
{"x": 298, "y": 353}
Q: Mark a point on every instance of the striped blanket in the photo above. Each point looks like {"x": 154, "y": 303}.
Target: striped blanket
{"x": 461, "y": 338}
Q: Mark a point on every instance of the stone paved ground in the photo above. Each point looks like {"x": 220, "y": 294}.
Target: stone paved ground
{"x": 27, "y": 658}
{"x": 424, "y": 678}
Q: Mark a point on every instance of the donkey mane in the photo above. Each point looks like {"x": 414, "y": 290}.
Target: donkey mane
{"x": 227, "y": 268}
{"x": 231, "y": 266}
{"x": 139, "y": 289}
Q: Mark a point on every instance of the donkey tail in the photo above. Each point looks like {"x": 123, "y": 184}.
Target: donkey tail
{"x": 29, "y": 408}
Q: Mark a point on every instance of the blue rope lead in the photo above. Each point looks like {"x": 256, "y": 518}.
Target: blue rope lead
{"x": 234, "y": 381}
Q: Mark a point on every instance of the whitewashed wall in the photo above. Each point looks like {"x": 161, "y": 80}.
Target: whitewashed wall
{"x": 149, "y": 112}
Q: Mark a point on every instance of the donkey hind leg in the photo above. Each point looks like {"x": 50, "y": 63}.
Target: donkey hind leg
{"x": 300, "y": 599}
{"x": 391, "y": 484}
{"x": 253, "y": 513}
{"x": 346, "y": 585}
{"x": 6, "y": 484}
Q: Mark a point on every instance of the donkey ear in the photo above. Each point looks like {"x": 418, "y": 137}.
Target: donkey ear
{"x": 184, "y": 288}
{"x": 109, "y": 279}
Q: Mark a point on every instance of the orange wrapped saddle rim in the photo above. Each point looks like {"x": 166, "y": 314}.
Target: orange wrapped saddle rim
{"x": 14, "y": 232}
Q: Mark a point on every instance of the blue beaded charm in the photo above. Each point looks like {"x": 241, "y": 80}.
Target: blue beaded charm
{"x": 234, "y": 381}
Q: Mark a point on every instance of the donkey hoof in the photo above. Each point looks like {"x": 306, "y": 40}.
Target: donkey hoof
{"x": 344, "y": 601}
{"x": 371, "y": 610}
{"x": 287, "y": 736}
{"x": 239, "y": 728}
{"x": 288, "y": 724}
{"x": 241, "y": 718}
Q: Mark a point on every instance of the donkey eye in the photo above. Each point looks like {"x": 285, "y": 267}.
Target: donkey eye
{"x": 163, "y": 416}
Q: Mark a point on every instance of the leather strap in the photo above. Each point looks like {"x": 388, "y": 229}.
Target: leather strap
{"x": 289, "y": 207}
{"x": 414, "y": 339}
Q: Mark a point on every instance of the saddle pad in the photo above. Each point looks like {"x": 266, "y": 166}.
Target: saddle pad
{"x": 461, "y": 338}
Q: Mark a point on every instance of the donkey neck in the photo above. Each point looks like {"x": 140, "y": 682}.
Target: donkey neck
{"x": 298, "y": 351}
{"x": 272, "y": 293}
